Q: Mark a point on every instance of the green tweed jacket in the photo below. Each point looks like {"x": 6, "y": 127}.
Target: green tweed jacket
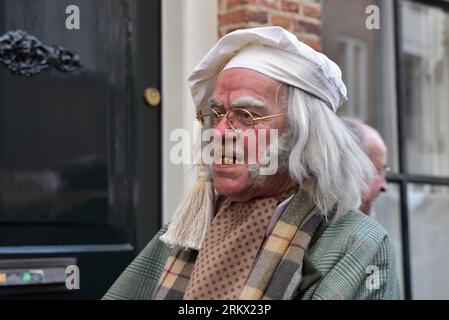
{"x": 348, "y": 258}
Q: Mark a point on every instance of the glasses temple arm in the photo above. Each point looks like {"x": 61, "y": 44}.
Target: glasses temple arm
{"x": 269, "y": 117}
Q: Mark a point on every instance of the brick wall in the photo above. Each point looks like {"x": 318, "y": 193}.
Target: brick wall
{"x": 302, "y": 17}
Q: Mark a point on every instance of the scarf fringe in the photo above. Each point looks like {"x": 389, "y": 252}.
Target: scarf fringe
{"x": 192, "y": 219}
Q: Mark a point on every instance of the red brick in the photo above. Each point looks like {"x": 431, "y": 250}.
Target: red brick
{"x": 289, "y": 6}
{"x": 302, "y": 17}
{"x": 235, "y": 3}
{"x": 243, "y": 16}
{"x": 314, "y": 43}
{"x": 311, "y": 11}
{"x": 222, "y": 5}
{"x": 232, "y": 17}
{"x": 273, "y": 4}
{"x": 281, "y": 21}
{"x": 260, "y": 17}
{"x": 306, "y": 27}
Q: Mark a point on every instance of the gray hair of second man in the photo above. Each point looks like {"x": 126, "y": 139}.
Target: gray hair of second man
{"x": 356, "y": 127}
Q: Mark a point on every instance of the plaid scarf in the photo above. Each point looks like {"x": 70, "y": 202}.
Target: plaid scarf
{"x": 277, "y": 271}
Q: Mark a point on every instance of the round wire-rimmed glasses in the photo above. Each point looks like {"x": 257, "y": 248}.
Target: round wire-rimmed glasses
{"x": 238, "y": 119}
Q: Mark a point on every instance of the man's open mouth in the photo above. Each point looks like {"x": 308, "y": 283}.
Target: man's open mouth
{"x": 227, "y": 161}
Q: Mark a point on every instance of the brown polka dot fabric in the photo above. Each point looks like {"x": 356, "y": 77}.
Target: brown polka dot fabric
{"x": 230, "y": 248}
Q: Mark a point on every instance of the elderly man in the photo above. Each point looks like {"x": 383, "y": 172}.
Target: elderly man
{"x": 290, "y": 234}
{"x": 374, "y": 146}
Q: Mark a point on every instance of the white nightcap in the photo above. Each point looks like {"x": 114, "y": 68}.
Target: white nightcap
{"x": 274, "y": 52}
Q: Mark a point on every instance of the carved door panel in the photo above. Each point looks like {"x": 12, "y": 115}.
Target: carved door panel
{"x": 75, "y": 142}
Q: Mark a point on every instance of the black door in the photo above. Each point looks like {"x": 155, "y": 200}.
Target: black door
{"x": 79, "y": 146}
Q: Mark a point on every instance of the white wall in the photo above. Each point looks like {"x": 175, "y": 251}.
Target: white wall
{"x": 189, "y": 30}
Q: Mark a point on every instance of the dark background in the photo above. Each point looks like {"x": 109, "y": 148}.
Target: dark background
{"x": 80, "y": 152}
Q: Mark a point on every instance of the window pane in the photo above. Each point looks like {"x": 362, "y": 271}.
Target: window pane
{"x": 429, "y": 236}
{"x": 366, "y": 58}
{"x": 387, "y": 213}
{"x": 425, "y": 42}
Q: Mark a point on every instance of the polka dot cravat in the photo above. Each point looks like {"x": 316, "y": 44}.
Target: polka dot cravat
{"x": 230, "y": 248}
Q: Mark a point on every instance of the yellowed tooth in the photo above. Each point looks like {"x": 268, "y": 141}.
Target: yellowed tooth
{"x": 226, "y": 161}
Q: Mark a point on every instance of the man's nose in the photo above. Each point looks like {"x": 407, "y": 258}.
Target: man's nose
{"x": 383, "y": 185}
{"x": 222, "y": 126}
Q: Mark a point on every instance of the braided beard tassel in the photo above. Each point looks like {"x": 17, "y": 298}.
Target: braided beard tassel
{"x": 191, "y": 220}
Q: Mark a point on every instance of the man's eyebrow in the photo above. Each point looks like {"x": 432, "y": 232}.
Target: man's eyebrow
{"x": 247, "y": 101}
{"x": 215, "y": 102}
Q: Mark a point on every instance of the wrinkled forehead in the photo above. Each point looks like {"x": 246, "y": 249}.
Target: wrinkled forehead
{"x": 243, "y": 81}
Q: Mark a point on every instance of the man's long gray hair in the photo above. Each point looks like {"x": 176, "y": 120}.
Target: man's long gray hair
{"x": 325, "y": 154}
